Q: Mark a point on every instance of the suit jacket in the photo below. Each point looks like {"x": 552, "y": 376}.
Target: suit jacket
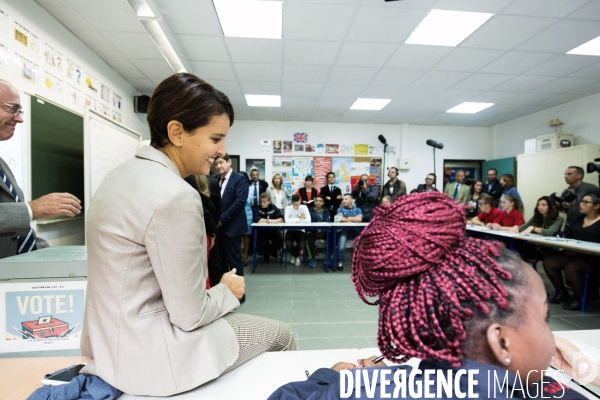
{"x": 14, "y": 217}
{"x": 263, "y": 187}
{"x": 233, "y": 201}
{"x": 333, "y": 204}
{"x": 304, "y": 197}
{"x": 496, "y": 191}
{"x": 150, "y": 325}
{"x": 421, "y": 188}
{"x": 463, "y": 195}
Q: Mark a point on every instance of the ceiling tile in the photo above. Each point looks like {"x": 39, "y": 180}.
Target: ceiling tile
{"x": 467, "y": 60}
{"x": 115, "y": 16}
{"x": 589, "y": 11}
{"x": 245, "y": 50}
{"x": 303, "y": 89}
{"x": 342, "y": 90}
{"x": 384, "y": 24}
{"x": 154, "y": 69}
{"x": 324, "y": 118}
{"x": 449, "y": 99}
{"x": 523, "y": 83}
{"x": 143, "y": 84}
{"x": 137, "y": 46}
{"x": 261, "y": 87}
{"x": 344, "y": 103}
{"x": 410, "y": 98}
{"x": 425, "y": 4}
{"x": 482, "y": 81}
{"x": 416, "y": 57}
{"x": 304, "y": 52}
{"x": 191, "y": 17}
{"x": 214, "y": 70}
{"x": 488, "y": 6}
{"x": 364, "y": 55}
{"x": 204, "y": 48}
{"x": 380, "y": 92}
{"x": 593, "y": 71}
{"x": 544, "y": 8}
{"x": 530, "y": 98}
{"x": 440, "y": 79}
{"x": 258, "y": 72}
{"x": 357, "y": 116}
{"x": 562, "y": 65}
{"x": 555, "y": 40}
{"x": 352, "y": 75}
{"x": 397, "y": 77}
{"x": 563, "y": 85}
{"x": 558, "y": 100}
{"x": 305, "y": 74}
{"x": 124, "y": 67}
{"x": 288, "y": 101}
{"x": 316, "y": 21}
{"x": 230, "y": 88}
{"x": 66, "y": 15}
{"x": 492, "y": 96}
{"x": 99, "y": 44}
{"x": 516, "y": 62}
{"x": 587, "y": 90}
{"x": 506, "y": 32}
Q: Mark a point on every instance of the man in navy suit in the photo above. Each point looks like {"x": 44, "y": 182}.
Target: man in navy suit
{"x": 233, "y": 224}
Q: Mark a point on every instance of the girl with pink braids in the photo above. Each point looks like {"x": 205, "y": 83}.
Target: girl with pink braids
{"x": 455, "y": 302}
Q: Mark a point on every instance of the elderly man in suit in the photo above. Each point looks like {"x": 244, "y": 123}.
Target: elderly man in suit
{"x": 16, "y": 235}
{"x": 332, "y": 195}
{"x": 458, "y": 191}
{"x": 233, "y": 223}
{"x": 257, "y": 187}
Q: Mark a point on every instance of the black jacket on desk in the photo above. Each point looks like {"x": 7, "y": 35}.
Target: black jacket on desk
{"x": 324, "y": 384}
{"x": 494, "y": 189}
{"x": 333, "y": 203}
{"x": 271, "y": 212}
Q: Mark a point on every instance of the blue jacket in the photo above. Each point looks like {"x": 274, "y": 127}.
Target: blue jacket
{"x": 324, "y": 384}
{"x": 233, "y": 201}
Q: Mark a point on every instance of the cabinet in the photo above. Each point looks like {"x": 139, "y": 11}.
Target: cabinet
{"x": 541, "y": 174}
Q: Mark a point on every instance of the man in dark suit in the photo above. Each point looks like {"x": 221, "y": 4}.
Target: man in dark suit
{"x": 332, "y": 195}
{"x": 16, "y": 235}
{"x": 493, "y": 186}
{"x": 257, "y": 187}
{"x": 233, "y": 224}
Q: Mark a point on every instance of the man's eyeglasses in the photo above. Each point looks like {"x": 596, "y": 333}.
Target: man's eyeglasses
{"x": 14, "y": 109}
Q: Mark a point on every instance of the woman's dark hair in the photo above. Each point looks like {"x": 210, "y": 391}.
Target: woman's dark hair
{"x": 475, "y": 182}
{"x": 188, "y": 99}
{"x": 551, "y": 217}
{"x": 595, "y": 198}
{"x": 437, "y": 289}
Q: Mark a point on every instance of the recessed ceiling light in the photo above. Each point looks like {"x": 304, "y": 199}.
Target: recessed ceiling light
{"x": 469, "y": 108}
{"x": 260, "y": 100}
{"x": 369, "y": 104}
{"x": 591, "y": 48}
{"x": 447, "y": 28}
{"x": 252, "y": 19}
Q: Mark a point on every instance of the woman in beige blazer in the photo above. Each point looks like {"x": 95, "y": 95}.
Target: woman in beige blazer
{"x": 150, "y": 325}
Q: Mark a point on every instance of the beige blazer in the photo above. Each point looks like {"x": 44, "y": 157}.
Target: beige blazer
{"x": 463, "y": 194}
{"x": 150, "y": 325}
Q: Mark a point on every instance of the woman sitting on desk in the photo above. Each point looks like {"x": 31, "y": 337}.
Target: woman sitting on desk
{"x": 585, "y": 228}
{"x": 510, "y": 214}
{"x": 150, "y": 324}
{"x": 453, "y": 301}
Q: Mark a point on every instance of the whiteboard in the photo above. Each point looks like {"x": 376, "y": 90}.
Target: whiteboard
{"x": 106, "y": 144}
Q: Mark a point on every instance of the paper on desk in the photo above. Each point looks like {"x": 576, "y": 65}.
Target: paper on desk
{"x": 590, "y": 352}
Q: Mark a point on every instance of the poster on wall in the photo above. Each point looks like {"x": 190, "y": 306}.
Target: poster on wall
{"x": 116, "y": 102}
{"x": 105, "y": 93}
{"x": 265, "y": 146}
{"x": 92, "y": 86}
{"x": 341, "y": 168}
{"x": 74, "y": 97}
{"x": 283, "y": 167}
{"x": 375, "y": 150}
{"x": 256, "y": 163}
{"x": 53, "y": 87}
{"x": 41, "y": 315}
{"x": 301, "y": 167}
{"x": 53, "y": 60}
{"x": 309, "y": 148}
{"x": 300, "y": 137}
{"x": 27, "y": 43}
{"x": 74, "y": 73}
{"x": 320, "y": 148}
{"x": 332, "y": 149}
{"x": 287, "y": 146}
{"x": 90, "y": 102}
{"x": 298, "y": 147}
{"x": 375, "y": 171}
{"x": 347, "y": 149}
{"x": 277, "y": 147}
{"x": 4, "y": 27}
{"x": 4, "y": 59}
{"x": 322, "y": 165}
{"x": 117, "y": 117}
{"x": 361, "y": 149}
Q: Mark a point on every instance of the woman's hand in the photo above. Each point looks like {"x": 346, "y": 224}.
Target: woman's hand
{"x": 235, "y": 283}
{"x": 528, "y": 230}
{"x": 495, "y": 225}
{"x": 515, "y": 229}
{"x": 368, "y": 362}
{"x": 568, "y": 358}
{"x": 343, "y": 365}
{"x": 211, "y": 241}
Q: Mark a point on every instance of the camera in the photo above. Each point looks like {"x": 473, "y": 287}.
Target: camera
{"x": 591, "y": 167}
{"x": 568, "y": 198}
{"x": 360, "y": 183}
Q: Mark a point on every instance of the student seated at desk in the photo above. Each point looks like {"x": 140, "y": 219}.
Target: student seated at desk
{"x": 457, "y": 303}
{"x": 348, "y": 212}
{"x": 489, "y": 214}
{"x": 295, "y": 239}
{"x": 318, "y": 214}
{"x": 269, "y": 241}
{"x": 510, "y": 216}
{"x": 585, "y": 228}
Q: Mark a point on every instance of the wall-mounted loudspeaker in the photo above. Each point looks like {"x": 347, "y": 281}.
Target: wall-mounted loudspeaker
{"x": 140, "y": 104}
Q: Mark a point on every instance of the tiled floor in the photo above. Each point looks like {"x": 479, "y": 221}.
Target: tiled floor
{"x": 325, "y": 312}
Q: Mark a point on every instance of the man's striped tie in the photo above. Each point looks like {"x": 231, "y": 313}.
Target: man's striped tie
{"x": 24, "y": 243}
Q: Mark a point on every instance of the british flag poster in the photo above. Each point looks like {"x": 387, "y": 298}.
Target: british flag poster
{"x": 300, "y": 137}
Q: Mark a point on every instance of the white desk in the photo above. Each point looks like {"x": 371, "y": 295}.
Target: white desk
{"x": 504, "y": 236}
{"x": 567, "y": 244}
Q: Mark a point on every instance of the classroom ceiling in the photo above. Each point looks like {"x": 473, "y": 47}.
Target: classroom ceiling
{"x": 334, "y": 51}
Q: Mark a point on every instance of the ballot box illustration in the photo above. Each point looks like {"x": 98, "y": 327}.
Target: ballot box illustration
{"x": 44, "y": 327}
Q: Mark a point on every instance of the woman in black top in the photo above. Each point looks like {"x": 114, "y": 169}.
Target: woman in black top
{"x": 475, "y": 192}
{"x": 585, "y": 228}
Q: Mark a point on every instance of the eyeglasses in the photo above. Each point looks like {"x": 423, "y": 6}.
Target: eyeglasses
{"x": 586, "y": 202}
{"x": 14, "y": 109}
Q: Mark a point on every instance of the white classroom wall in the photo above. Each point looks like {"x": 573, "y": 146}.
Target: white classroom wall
{"x": 581, "y": 117}
{"x": 49, "y": 30}
{"x": 409, "y": 141}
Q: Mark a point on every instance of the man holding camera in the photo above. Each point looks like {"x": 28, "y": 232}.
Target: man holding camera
{"x": 577, "y": 188}
{"x": 365, "y": 196}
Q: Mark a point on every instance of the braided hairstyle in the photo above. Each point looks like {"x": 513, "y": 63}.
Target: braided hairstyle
{"x": 429, "y": 278}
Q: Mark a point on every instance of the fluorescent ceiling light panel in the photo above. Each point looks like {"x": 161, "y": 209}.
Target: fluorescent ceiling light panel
{"x": 469, "y": 108}
{"x": 260, "y": 100}
{"x": 369, "y": 104}
{"x": 447, "y": 28}
{"x": 591, "y": 48}
{"x": 250, "y": 18}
